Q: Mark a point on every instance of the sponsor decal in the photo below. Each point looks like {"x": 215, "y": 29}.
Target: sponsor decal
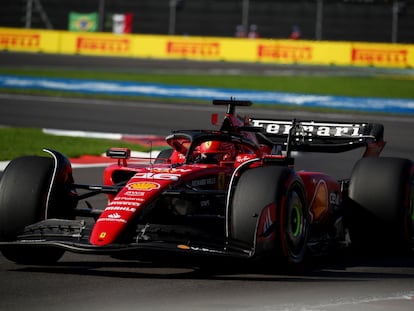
{"x": 319, "y": 203}
{"x": 121, "y": 208}
{"x": 245, "y": 157}
{"x": 108, "y": 219}
{"x": 125, "y": 203}
{"x": 311, "y": 128}
{"x": 205, "y": 203}
{"x": 102, "y": 235}
{"x": 168, "y": 170}
{"x": 192, "y": 48}
{"x": 120, "y": 200}
{"x": 391, "y": 57}
{"x": 334, "y": 199}
{"x": 162, "y": 176}
{"x": 286, "y": 53}
{"x": 114, "y": 216}
{"x": 143, "y": 185}
{"x": 21, "y": 41}
{"x": 266, "y": 227}
{"x": 267, "y": 224}
{"x": 103, "y": 45}
{"x": 135, "y": 193}
{"x": 203, "y": 182}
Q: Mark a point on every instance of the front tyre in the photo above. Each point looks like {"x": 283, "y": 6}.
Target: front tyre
{"x": 24, "y": 190}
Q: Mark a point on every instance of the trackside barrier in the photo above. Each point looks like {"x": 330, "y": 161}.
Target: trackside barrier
{"x": 209, "y": 48}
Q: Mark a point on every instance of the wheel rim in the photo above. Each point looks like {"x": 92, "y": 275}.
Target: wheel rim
{"x": 295, "y": 226}
{"x": 295, "y": 220}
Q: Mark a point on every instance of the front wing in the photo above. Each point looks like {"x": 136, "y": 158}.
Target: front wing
{"x": 73, "y": 236}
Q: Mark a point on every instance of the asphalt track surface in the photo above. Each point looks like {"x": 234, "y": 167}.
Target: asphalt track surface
{"x": 80, "y": 282}
{"x": 79, "y": 62}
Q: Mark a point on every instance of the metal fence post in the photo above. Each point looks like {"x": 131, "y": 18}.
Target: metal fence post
{"x": 394, "y": 22}
{"x": 171, "y": 26}
{"x": 101, "y": 15}
{"x": 319, "y": 20}
{"x": 245, "y": 15}
{"x": 29, "y": 11}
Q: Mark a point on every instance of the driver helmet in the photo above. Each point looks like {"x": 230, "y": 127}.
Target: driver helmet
{"x": 216, "y": 151}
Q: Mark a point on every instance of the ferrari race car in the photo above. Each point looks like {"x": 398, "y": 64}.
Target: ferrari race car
{"x": 232, "y": 192}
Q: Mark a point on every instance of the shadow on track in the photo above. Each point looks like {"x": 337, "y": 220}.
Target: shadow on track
{"x": 327, "y": 269}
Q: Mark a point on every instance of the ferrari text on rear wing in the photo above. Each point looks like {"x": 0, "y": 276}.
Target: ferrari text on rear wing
{"x": 322, "y": 136}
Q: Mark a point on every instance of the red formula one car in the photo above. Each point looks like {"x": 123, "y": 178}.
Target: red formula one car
{"x": 232, "y": 192}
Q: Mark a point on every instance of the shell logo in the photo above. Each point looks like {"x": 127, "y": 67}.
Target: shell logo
{"x": 143, "y": 186}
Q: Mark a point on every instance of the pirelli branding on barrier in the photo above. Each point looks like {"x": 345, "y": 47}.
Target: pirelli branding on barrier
{"x": 285, "y": 53}
{"x": 19, "y": 41}
{"x": 104, "y": 45}
{"x": 380, "y": 57}
{"x": 193, "y": 49}
{"x": 208, "y": 48}
{"x": 23, "y": 40}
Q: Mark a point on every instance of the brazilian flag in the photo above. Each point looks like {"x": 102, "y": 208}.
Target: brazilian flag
{"x": 83, "y": 22}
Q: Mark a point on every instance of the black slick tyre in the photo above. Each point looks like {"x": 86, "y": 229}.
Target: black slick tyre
{"x": 277, "y": 188}
{"x": 381, "y": 194}
{"x": 23, "y": 193}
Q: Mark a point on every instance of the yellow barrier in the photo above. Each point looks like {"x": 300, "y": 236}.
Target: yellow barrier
{"x": 32, "y": 40}
{"x": 101, "y": 44}
{"x": 209, "y": 48}
{"x": 382, "y": 55}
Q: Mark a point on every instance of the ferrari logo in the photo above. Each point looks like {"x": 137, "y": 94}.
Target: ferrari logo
{"x": 102, "y": 235}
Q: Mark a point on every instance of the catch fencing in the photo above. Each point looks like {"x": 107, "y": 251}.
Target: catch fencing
{"x": 387, "y": 21}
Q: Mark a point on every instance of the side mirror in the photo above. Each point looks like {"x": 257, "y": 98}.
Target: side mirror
{"x": 214, "y": 119}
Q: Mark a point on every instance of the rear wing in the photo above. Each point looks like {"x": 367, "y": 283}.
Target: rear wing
{"x": 316, "y": 136}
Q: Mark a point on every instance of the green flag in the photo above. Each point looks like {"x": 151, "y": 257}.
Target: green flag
{"x": 83, "y": 22}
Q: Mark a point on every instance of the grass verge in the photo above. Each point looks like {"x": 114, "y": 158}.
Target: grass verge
{"x": 16, "y": 142}
{"x": 370, "y": 86}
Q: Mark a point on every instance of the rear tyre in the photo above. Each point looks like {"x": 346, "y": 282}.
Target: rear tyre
{"x": 261, "y": 193}
{"x": 23, "y": 193}
{"x": 381, "y": 193}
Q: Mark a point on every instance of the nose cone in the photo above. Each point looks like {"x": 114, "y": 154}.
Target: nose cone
{"x": 106, "y": 230}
